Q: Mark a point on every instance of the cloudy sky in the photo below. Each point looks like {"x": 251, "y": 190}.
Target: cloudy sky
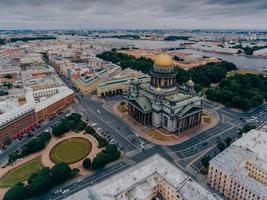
{"x": 86, "y": 14}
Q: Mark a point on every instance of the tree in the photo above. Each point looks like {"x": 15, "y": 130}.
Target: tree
{"x": 100, "y": 161}
{"x": 110, "y": 148}
{"x": 228, "y": 141}
{"x": 87, "y": 164}
{"x": 40, "y": 182}
{"x": 205, "y": 161}
{"x": 246, "y": 129}
{"x": 60, "y": 172}
{"x": 221, "y": 146}
{"x": 74, "y": 172}
{"x": 13, "y": 157}
{"x": 104, "y": 158}
{"x": 17, "y": 192}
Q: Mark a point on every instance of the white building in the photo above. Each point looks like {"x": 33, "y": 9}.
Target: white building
{"x": 154, "y": 177}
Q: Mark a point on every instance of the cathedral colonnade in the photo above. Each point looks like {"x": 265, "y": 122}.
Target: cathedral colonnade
{"x": 141, "y": 117}
{"x": 189, "y": 121}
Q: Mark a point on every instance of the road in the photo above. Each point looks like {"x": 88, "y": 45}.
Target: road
{"x": 135, "y": 149}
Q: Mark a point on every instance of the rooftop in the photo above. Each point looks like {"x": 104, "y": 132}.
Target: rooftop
{"x": 250, "y": 147}
{"x": 138, "y": 180}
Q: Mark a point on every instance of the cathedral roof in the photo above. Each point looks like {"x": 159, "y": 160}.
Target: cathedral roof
{"x": 163, "y": 60}
{"x": 143, "y": 103}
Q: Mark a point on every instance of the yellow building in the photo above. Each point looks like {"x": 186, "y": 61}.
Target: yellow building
{"x": 120, "y": 84}
{"x": 87, "y": 88}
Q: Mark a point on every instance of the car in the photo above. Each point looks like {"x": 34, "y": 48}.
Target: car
{"x": 65, "y": 191}
{"x": 58, "y": 191}
{"x": 80, "y": 180}
{"x": 94, "y": 124}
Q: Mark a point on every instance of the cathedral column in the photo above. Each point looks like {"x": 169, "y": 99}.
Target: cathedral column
{"x": 162, "y": 82}
{"x": 169, "y": 82}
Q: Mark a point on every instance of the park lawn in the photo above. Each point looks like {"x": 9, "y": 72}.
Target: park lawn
{"x": 207, "y": 120}
{"x": 71, "y": 150}
{"x": 20, "y": 173}
{"x": 157, "y": 135}
{"x": 122, "y": 107}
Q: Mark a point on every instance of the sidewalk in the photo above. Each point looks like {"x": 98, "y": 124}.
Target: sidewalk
{"x": 181, "y": 137}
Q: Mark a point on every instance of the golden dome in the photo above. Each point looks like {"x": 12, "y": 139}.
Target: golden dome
{"x": 163, "y": 60}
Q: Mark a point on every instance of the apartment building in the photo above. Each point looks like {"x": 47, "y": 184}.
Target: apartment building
{"x": 240, "y": 171}
{"x": 153, "y": 178}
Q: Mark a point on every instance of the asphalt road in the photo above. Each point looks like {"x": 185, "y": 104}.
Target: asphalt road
{"x": 180, "y": 154}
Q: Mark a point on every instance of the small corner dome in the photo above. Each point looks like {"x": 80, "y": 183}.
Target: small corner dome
{"x": 163, "y": 60}
{"x": 190, "y": 82}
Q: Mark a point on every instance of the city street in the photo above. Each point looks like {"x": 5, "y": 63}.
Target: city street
{"x": 181, "y": 154}
{"x": 186, "y": 155}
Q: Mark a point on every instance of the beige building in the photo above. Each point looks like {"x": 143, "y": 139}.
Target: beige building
{"x": 240, "y": 171}
{"x": 120, "y": 83}
{"x": 153, "y": 178}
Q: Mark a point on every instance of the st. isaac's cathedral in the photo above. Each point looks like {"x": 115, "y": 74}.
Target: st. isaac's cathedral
{"x": 160, "y": 103}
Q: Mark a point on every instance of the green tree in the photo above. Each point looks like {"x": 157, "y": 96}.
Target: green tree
{"x": 221, "y": 146}
{"x": 74, "y": 172}
{"x": 17, "y": 192}
{"x": 205, "y": 161}
{"x": 228, "y": 141}
{"x": 87, "y": 164}
{"x": 110, "y": 148}
{"x": 41, "y": 182}
{"x": 13, "y": 157}
{"x": 60, "y": 172}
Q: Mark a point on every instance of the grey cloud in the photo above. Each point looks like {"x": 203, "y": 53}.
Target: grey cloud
{"x": 133, "y": 13}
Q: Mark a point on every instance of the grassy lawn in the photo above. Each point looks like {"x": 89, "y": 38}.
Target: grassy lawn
{"x": 122, "y": 107}
{"x": 71, "y": 150}
{"x": 20, "y": 173}
{"x": 206, "y": 118}
{"x": 154, "y": 133}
